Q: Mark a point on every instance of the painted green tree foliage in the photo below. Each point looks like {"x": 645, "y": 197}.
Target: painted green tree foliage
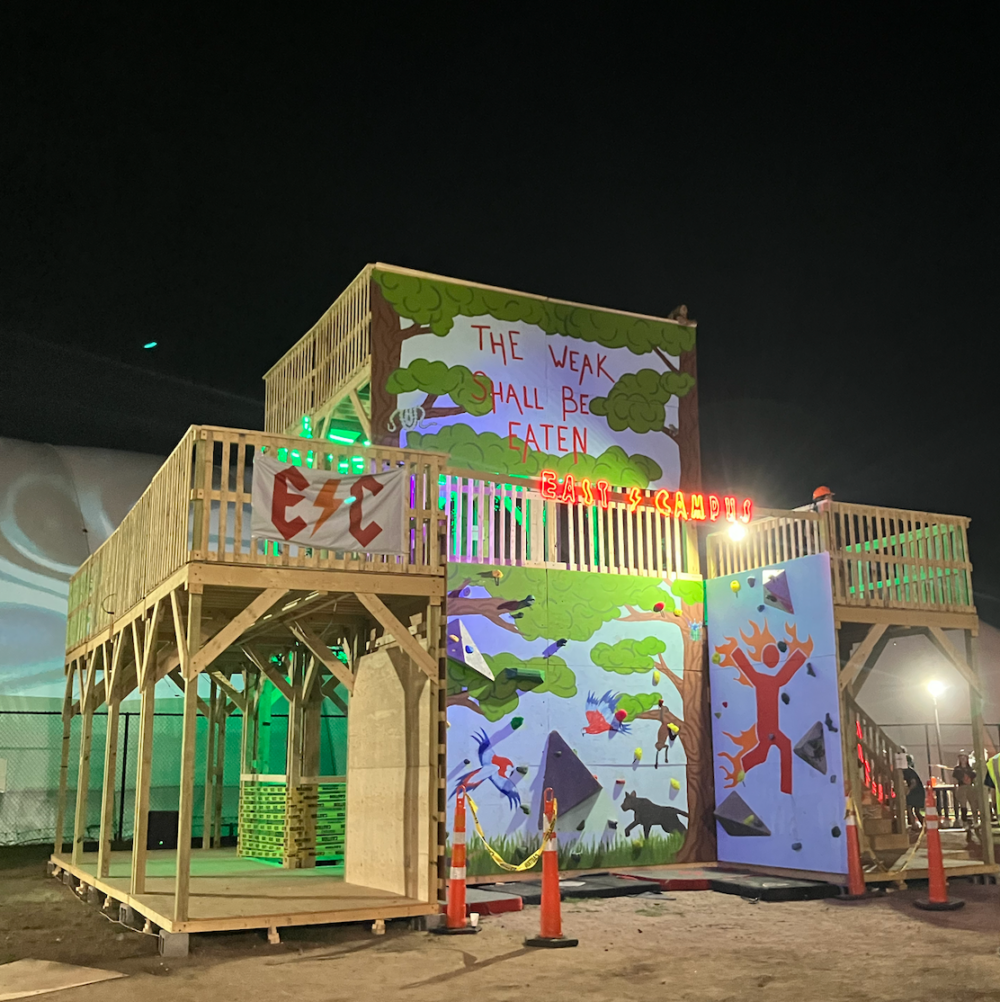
{"x": 489, "y": 452}
{"x": 470, "y": 393}
{"x": 628, "y": 657}
{"x": 496, "y": 699}
{"x": 637, "y": 400}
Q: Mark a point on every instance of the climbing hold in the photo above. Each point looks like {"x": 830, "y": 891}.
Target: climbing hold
{"x": 770, "y": 737}
{"x": 740, "y": 776}
{"x": 833, "y": 779}
{"x": 557, "y": 752}
{"x": 830, "y": 725}
{"x": 796, "y": 846}
{"x": 522, "y": 769}
{"x": 718, "y": 715}
{"x": 809, "y": 669}
{"x": 576, "y": 856}
{"x": 621, "y": 714}
{"x": 594, "y": 774}
{"x": 785, "y": 698}
{"x": 656, "y": 678}
{"x": 447, "y": 724}
{"x": 677, "y": 612}
{"x": 751, "y": 581}
{"x": 716, "y": 659}
{"x": 735, "y": 586}
{"x": 469, "y": 649}
{"x": 582, "y": 824}
{"x": 468, "y": 762}
{"x": 612, "y": 824}
{"x": 760, "y": 608}
{"x": 638, "y": 754}
{"x": 659, "y": 607}
{"x": 674, "y": 730}
{"x": 675, "y": 783}
{"x": 617, "y": 781}
{"x": 835, "y": 831}
{"x": 725, "y": 706}
{"x": 498, "y": 575}
{"x": 451, "y": 636}
{"x": 525, "y": 808}
{"x": 516, "y": 723}
{"x": 782, "y": 646}
{"x": 749, "y": 820}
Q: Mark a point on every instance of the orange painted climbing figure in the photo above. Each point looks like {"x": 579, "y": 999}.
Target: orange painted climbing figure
{"x": 768, "y": 654}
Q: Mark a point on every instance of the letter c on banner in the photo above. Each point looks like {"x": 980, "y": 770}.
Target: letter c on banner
{"x": 283, "y": 499}
{"x": 364, "y": 535}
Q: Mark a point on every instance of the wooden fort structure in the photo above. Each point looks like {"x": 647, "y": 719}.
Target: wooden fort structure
{"x": 895, "y": 573}
{"x": 182, "y": 592}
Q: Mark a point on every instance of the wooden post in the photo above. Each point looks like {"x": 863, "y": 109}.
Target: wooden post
{"x": 111, "y": 688}
{"x": 67, "y": 721}
{"x": 182, "y": 883}
{"x": 979, "y": 744}
{"x": 206, "y": 827}
{"x": 83, "y": 774}
{"x": 146, "y": 675}
{"x": 220, "y": 771}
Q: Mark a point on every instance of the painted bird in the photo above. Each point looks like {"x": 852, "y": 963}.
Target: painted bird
{"x": 603, "y": 716}
{"x": 495, "y": 768}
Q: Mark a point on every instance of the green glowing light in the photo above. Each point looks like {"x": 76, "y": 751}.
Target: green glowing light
{"x": 307, "y": 429}
{"x": 150, "y": 344}
{"x": 366, "y": 443}
{"x": 333, "y": 437}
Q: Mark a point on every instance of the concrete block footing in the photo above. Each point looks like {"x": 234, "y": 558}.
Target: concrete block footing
{"x": 174, "y": 944}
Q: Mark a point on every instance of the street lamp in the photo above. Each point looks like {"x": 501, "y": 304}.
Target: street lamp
{"x": 936, "y": 688}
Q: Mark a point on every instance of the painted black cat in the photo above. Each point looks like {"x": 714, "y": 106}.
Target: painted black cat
{"x": 648, "y": 815}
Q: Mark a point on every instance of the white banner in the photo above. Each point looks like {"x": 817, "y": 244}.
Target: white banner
{"x": 326, "y": 510}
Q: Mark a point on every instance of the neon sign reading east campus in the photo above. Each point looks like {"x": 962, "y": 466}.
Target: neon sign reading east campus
{"x": 699, "y": 507}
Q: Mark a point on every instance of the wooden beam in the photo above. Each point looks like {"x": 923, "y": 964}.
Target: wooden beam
{"x": 150, "y": 640}
{"x": 329, "y": 689}
{"x": 312, "y": 673}
{"x": 858, "y": 659}
{"x": 67, "y": 720}
{"x": 406, "y": 641}
{"x": 109, "y": 779}
{"x": 232, "y": 631}
{"x": 229, "y": 689}
{"x": 363, "y": 419}
{"x": 269, "y": 670}
{"x": 322, "y": 654}
{"x": 936, "y": 636}
{"x": 304, "y": 579}
{"x": 178, "y": 679}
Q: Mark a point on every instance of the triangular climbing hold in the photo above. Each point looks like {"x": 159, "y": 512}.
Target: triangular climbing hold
{"x": 811, "y": 747}
{"x": 776, "y": 593}
{"x": 571, "y": 781}
{"x": 736, "y": 817}
{"x": 463, "y": 649}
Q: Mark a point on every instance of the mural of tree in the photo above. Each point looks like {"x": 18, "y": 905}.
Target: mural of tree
{"x": 694, "y": 728}
{"x": 492, "y": 453}
{"x": 470, "y": 393}
{"x": 496, "y": 699}
{"x": 638, "y": 401}
{"x": 432, "y": 305}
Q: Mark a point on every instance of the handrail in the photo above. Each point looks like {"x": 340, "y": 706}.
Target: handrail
{"x": 331, "y": 355}
{"x": 198, "y": 508}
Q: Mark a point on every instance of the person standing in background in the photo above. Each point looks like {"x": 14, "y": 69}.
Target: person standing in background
{"x": 965, "y": 803}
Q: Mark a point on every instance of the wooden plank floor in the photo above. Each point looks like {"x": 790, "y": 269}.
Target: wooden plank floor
{"x": 960, "y": 859}
{"x": 230, "y": 892}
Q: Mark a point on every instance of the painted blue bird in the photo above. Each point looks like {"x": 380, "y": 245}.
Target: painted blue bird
{"x": 495, "y": 768}
{"x": 603, "y": 715}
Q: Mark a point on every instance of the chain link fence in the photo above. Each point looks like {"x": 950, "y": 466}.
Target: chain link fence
{"x": 31, "y": 747}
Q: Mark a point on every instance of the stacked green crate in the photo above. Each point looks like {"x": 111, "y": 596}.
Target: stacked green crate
{"x": 262, "y": 820}
{"x": 331, "y": 817}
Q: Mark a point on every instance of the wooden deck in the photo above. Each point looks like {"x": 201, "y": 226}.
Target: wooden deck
{"x": 228, "y": 892}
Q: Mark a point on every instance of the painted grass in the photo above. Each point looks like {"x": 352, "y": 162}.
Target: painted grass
{"x": 656, "y": 850}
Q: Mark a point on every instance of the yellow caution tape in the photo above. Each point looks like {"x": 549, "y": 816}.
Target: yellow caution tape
{"x": 550, "y": 832}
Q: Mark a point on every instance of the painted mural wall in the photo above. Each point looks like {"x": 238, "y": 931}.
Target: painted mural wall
{"x": 779, "y": 787}
{"x": 510, "y": 384}
{"x": 593, "y": 685}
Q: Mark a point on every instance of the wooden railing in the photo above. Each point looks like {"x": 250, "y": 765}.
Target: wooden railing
{"x": 880, "y": 557}
{"x": 335, "y": 353}
{"x": 198, "y": 508}
{"x": 872, "y": 760}
{"x": 494, "y": 521}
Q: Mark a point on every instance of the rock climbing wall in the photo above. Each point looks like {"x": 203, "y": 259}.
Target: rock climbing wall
{"x": 593, "y": 685}
{"x": 779, "y": 787}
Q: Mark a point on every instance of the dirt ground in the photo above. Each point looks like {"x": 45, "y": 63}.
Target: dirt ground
{"x": 694, "y": 945}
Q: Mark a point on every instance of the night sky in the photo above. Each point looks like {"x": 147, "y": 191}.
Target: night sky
{"x": 822, "y": 193}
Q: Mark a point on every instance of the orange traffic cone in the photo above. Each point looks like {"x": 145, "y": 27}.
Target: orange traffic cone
{"x": 937, "y": 886}
{"x": 551, "y": 923}
{"x": 855, "y": 874}
{"x": 455, "y": 920}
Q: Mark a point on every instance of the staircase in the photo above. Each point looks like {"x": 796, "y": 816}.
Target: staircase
{"x": 877, "y": 787}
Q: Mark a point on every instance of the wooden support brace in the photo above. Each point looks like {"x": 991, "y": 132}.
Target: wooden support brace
{"x": 936, "y": 636}
{"x": 230, "y": 690}
{"x": 234, "y": 629}
{"x": 266, "y": 669}
{"x": 178, "y": 679}
{"x": 406, "y": 641}
{"x": 329, "y": 689}
{"x": 362, "y": 414}
{"x": 859, "y": 658}
{"x": 322, "y": 654}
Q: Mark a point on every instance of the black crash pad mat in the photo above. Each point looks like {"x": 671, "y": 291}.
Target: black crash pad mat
{"x": 591, "y": 885}
{"x": 771, "y": 888}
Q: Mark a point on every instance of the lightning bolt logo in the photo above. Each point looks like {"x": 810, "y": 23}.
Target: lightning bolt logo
{"x": 327, "y": 502}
